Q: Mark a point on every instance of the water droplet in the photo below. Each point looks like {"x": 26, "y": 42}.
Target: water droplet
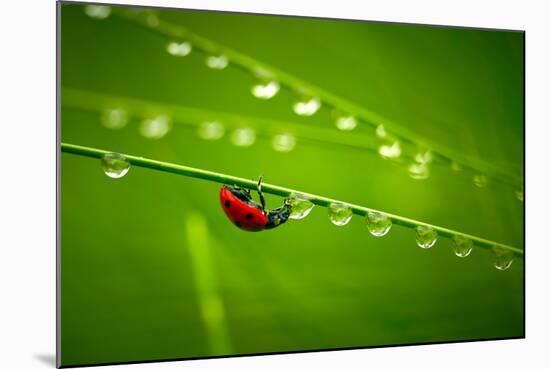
{"x": 426, "y": 236}
{"x": 265, "y": 91}
{"x": 262, "y": 73}
{"x": 462, "y": 246}
{"x": 381, "y": 131}
{"x": 307, "y": 107}
{"x": 519, "y": 195}
{"x": 456, "y": 166}
{"x": 115, "y": 165}
{"x": 340, "y": 214}
{"x": 424, "y": 157}
{"x": 379, "y": 224}
{"x": 217, "y": 62}
{"x": 419, "y": 171}
{"x": 211, "y": 130}
{"x": 390, "y": 152}
{"x": 243, "y": 137}
{"x": 284, "y": 142}
{"x": 152, "y": 20}
{"x": 503, "y": 258}
{"x": 300, "y": 206}
{"x": 155, "y": 128}
{"x": 480, "y": 180}
{"x": 114, "y": 118}
{"x": 346, "y": 123}
{"x": 97, "y": 11}
{"x": 179, "y": 49}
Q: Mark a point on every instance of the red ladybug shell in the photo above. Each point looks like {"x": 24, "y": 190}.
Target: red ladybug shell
{"x": 244, "y": 214}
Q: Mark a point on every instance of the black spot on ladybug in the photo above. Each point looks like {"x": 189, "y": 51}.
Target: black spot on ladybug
{"x": 249, "y": 216}
{"x": 227, "y": 203}
{"x": 238, "y": 224}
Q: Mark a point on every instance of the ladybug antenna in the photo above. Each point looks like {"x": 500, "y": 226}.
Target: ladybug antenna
{"x": 262, "y": 200}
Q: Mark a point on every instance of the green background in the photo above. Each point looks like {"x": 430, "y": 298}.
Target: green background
{"x": 152, "y": 269}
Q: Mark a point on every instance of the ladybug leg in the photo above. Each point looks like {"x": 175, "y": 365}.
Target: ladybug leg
{"x": 262, "y": 200}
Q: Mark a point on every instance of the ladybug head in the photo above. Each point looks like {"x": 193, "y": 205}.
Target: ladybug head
{"x": 278, "y": 216}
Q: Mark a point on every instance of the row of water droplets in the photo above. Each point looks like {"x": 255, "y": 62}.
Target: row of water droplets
{"x": 211, "y": 130}
{"x": 307, "y": 104}
{"x": 267, "y": 87}
{"x": 379, "y": 224}
{"x": 157, "y": 127}
{"x": 419, "y": 168}
{"x": 116, "y": 166}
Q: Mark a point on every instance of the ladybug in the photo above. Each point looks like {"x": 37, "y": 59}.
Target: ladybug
{"x": 247, "y": 214}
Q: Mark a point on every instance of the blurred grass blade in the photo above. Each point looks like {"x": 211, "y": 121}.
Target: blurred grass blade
{"x": 210, "y": 301}
{"x": 193, "y": 117}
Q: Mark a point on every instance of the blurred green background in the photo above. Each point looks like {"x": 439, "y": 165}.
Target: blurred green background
{"x": 152, "y": 269}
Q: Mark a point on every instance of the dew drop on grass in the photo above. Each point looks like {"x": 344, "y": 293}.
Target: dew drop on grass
{"x": 179, "y": 49}
{"x": 462, "y": 246}
{"x": 266, "y": 87}
{"x": 115, "y": 165}
{"x": 503, "y": 258}
{"x": 155, "y": 128}
{"x": 390, "y": 152}
{"x": 217, "y": 62}
{"x": 116, "y": 118}
{"x": 284, "y": 142}
{"x": 97, "y": 11}
{"x": 381, "y": 131}
{"x": 519, "y": 195}
{"x": 419, "y": 171}
{"x": 340, "y": 214}
{"x": 480, "y": 180}
{"x": 456, "y": 166}
{"x": 265, "y": 91}
{"x": 300, "y": 206}
{"x": 346, "y": 123}
{"x": 424, "y": 157}
{"x": 152, "y": 20}
{"x": 307, "y": 107}
{"x": 379, "y": 224}
{"x": 211, "y": 131}
{"x": 243, "y": 137}
{"x": 426, "y": 236}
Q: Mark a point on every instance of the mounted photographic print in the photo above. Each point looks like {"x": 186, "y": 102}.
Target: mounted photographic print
{"x": 244, "y": 184}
